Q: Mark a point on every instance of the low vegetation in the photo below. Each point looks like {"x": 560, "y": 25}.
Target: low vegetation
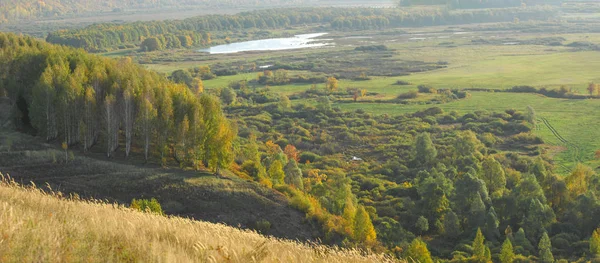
{"x": 47, "y": 226}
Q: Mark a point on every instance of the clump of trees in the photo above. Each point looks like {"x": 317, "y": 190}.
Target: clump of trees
{"x": 279, "y": 77}
{"x": 83, "y": 100}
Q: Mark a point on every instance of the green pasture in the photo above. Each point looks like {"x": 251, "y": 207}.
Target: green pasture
{"x": 573, "y": 69}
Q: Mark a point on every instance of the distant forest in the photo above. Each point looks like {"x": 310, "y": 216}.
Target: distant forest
{"x": 196, "y": 31}
{"x": 29, "y": 9}
{"x": 468, "y": 4}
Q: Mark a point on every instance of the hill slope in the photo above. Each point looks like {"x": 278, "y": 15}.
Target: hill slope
{"x": 44, "y": 227}
{"x": 199, "y": 195}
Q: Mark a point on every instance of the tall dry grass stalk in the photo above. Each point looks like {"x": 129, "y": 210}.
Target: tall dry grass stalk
{"x": 44, "y": 226}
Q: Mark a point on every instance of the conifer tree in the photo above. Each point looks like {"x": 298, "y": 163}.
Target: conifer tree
{"x": 507, "y": 255}
{"x": 363, "y": 227}
{"x": 595, "y": 243}
{"x": 545, "y": 249}
{"x": 452, "y": 224}
{"x": 293, "y": 174}
{"x": 422, "y": 225}
{"x": 349, "y": 214}
{"x": 491, "y": 225}
{"x": 476, "y": 216}
{"x": 479, "y": 246}
{"x": 522, "y": 242}
{"x": 417, "y": 252}
{"x": 493, "y": 175}
{"x": 487, "y": 258}
{"x": 425, "y": 151}
{"x": 276, "y": 172}
{"x": 538, "y": 217}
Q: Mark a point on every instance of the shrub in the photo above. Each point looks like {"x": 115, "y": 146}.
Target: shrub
{"x": 225, "y": 72}
{"x": 523, "y": 89}
{"x": 408, "y": 95}
{"x": 426, "y": 89}
{"x": 402, "y": 82}
{"x": 309, "y": 156}
{"x": 372, "y": 48}
{"x": 461, "y": 94}
{"x": 433, "y": 111}
{"x": 145, "y": 205}
{"x": 262, "y": 226}
{"x": 527, "y": 138}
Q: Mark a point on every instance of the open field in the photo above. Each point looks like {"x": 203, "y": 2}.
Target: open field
{"x": 37, "y": 226}
{"x": 479, "y": 67}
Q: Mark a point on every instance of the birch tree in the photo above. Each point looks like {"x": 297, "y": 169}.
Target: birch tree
{"x": 110, "y": 122}
{"x": 128, "y": 117}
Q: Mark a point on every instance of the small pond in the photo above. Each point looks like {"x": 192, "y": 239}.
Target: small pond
{"x": 296, "y": 42}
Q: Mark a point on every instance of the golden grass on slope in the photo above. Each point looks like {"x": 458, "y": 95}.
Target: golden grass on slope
{"x": 36, "y": 226}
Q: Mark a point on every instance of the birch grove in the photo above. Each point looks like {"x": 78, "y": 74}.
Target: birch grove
{"x": 85, "y": 100}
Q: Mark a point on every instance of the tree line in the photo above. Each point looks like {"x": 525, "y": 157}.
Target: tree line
{"x": 419, "y": 18}
{"x": 66, "y": 95}
{"x": 197, "y": 31}
{"x": 472, "y": 4}
{"x": 12, "y": 10}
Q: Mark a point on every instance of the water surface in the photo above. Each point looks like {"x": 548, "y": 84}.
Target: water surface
{"x": 296, "y": 42}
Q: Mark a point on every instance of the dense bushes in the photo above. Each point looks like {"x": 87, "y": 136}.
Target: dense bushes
{"x": 408, "y": 95}
{"x": 372, "y": 48}
{"x": 426, "y": 89}
{"x": 562, "y": 92}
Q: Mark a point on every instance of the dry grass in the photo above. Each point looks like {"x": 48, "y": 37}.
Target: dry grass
{"x": 39, "y": 226}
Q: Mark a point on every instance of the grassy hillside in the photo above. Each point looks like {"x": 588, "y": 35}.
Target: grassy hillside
{"x": 196, "y": 194}
{"x": 38, "y": 226}
{"x": 199, "y": 195}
